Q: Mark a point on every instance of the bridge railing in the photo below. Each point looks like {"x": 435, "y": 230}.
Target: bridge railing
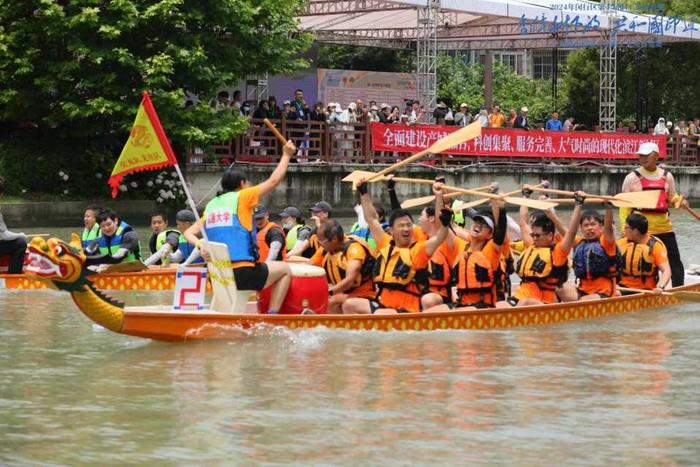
{"x": 351, "y": 143}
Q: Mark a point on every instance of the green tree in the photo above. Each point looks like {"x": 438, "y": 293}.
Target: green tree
{"x": 352, "y": 57}
{"x": 74, "y": 70}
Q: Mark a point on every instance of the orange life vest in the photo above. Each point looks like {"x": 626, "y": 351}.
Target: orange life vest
{"x": 440, "y": 271}
{"x": 475, "y": 274}
{"x": 263, "y": 247}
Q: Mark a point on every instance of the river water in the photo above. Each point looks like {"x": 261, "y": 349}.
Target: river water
{"x": 619, "y": 390}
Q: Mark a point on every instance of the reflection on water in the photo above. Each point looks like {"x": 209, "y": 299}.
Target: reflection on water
{"x": 622, "y": 390}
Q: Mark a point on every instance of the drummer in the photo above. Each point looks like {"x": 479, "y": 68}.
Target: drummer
{"x": 228, "y": 219}
{"x": 348, "y": 261}
{"x": 645, "y": 262}
{"x": 401, "y": 272}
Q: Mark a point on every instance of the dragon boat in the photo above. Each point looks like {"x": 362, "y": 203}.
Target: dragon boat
{"x": 150, "y": 279}
{"x": 61, "y": 265}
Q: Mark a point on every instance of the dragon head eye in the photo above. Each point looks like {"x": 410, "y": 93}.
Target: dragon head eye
{"x": 58, "y": 250}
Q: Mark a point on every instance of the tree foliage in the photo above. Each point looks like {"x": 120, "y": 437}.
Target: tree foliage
{"x": 75, "y": 69}
{"x": 461, "y": 82}
{"x": 364, "y": 58}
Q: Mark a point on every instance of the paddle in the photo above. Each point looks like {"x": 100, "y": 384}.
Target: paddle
{"x": 679, "y": 294}
{"x": 275, "y": 131}
{"x": 692, "y": 212}
{"x": 479, "y": 202}
{"x": 37, "y": 235}
{"x": 366, "y": 175}
{"x": 531, "y": 203}
{"x": 467, "y": 133}
{"x": 415, "y": 202}
{"x": 619, "y": 204}
{"x": 639, "y": 199}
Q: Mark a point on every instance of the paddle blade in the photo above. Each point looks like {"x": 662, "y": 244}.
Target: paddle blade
{"x": 687, "y": 296}
{"x": 358, "y": 175}
{"x": 467, "y": 133}
{"x": 415, "y": 202}
{"x": 531, "y": 203}
{"x": 640, "y": 199}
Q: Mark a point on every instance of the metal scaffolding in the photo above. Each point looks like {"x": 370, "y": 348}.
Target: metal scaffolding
{"x": 426, "y": 55}
{"x": 608, "y": 74}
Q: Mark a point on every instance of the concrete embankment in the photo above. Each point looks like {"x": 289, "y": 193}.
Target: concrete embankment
{"x": 305, "y": 184}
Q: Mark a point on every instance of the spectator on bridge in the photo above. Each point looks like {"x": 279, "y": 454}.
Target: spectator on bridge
{"x": 632, "y": 128}
{"x": 273, "y": 110}
{"x": 237, "y": 102}
{"x": 463, "y": 117}
{"x": 569, "y": 124}
{"x": 512, "y": 115}
{"x": 359, "y": 110}
{"x": 440, "y": 113}
{"x": 660, "y": 128}
{"x": 318, "y": 114}
{"x": 497, "y": 119}
{"x": 394, "y": 115}
{"x": 554, "y": 124}
{"x": 286, "y": 109}
{"x": 693, "y": 127}
{"x": 484, "y": 117}
{"x": 521, "y": 122}
{"x": 221, "y": 101}
{"x": 373, "y": 114}
{"x": 261, "y": 110}
{"x": 416, "y": 114}
{"x": 384, "y": 113}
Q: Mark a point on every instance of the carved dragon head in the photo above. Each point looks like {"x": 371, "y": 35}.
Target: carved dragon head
{"x": 56, "y": 261}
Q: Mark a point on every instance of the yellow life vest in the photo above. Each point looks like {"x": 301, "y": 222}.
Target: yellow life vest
{"x": 474, "y": 274}
{"x": 537, "y": 265}
{"x": 638, "y": 259}
{"x": 336, "y": 264}
{"x": 394, "y": 270}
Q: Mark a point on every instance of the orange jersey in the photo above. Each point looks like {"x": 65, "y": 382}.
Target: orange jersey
{"x": 541, "y": 285}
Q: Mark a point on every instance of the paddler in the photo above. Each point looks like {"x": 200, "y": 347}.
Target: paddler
{"x": 348, "y": 261}
{"x": 116, "y": 242}
{"x": 270, "y": 237}
{"x": 645, "y": 262}
{"x": 171, "y": 245}
{"x": 651, "y": 177}
{"x": 320, "y": 211}
{"x": 596, "y": 256}
{"x": 543, "y": 266}
{"x": 228, "y": 219}
{"x": 401, "y": 268}
{"x": 92, "y": 228}
{"x": 12, "y": 244}
{"x": 159, "y": 223}
{"x": 295, "y": 229}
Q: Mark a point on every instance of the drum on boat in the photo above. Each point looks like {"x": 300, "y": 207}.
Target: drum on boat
{"x": 307, "y": 290}
{"x": 4, "y": 263}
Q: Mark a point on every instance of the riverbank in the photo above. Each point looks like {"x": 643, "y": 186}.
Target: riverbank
{"x": 305, "y": 184}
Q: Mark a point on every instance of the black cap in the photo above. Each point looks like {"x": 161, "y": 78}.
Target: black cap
{"x": 185, "y": 216}
{"x": 291, "y": 211}
{"x": 259, "y": 211}
{"x": 321, "y": 206}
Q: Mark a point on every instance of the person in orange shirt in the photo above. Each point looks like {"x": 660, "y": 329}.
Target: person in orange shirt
{"x": 348, "y": 261}
{"x": 401, "y": 269}
{"x": 596, "y": 255}
{"x": 543, "y": 266}
{"x": 645, "y": 262}
{"x": 228, "y": 219}
{"x": 497, "y": 119}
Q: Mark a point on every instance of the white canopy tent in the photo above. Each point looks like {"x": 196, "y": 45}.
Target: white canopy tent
{"x": 442, "y": 25}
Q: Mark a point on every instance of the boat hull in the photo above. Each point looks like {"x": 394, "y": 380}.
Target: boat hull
{"x": 143, "y": 280}
{"x": 180, "y": 326}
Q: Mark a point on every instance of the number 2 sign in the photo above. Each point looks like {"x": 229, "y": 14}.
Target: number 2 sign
{"x": 190, "y": 287}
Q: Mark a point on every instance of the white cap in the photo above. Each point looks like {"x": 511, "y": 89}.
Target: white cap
{"x": 352, "y": 106}
{"x": 463, "y": 105}
{"x": 524, "y": 109}
{"x": 647, "y": 148}
{"x": 384, "y": 105}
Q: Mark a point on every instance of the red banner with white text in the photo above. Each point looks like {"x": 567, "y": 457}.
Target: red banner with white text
{"x": 515, "y": 143}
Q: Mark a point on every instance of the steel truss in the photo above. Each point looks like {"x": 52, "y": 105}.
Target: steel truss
{"x": 426, "y": 55}
{"x": 608, "y": 75}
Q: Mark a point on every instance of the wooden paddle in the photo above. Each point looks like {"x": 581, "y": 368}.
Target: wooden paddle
{"x": 639, "y": 199}
{"x": 275, "y": 131}
{"x": 619, "y": 204}
{"x": 37, "y": 235}
{"x": 531, "y": 203}
{"x": 366, "y": 175}
{"x": 467, "y": 133}
{"x": 415, "y": 202}
{"x": 692, "y": 212}
{"x": 479, "y": 202}
{"x": 679, "y": 294}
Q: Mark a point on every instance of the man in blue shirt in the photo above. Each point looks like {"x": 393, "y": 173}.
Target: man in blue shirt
{"x": 553, "y": 124}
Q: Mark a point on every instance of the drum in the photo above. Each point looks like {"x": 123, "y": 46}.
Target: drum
{"x": 308, "y": 290}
